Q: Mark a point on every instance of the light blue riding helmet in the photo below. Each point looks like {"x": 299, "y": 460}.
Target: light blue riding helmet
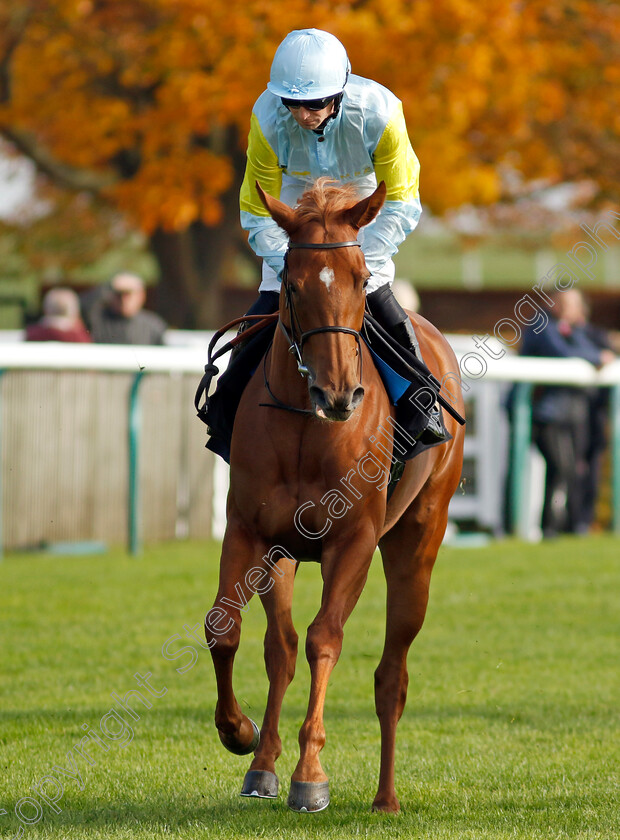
{"x": 309, "y": 64}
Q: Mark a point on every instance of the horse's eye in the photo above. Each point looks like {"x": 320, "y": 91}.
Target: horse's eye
{"x": 365, "y": 283}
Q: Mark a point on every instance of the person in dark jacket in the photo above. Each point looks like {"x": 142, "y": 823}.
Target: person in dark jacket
{"x": 562, "y": 416}
{"x": 115, "y": 315}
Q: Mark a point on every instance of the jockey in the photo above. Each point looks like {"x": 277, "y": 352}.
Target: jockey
{"x": 317, "y": 119}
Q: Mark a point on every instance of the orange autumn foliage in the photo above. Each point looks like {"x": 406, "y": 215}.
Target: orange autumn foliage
{"x": 134, "y": 99}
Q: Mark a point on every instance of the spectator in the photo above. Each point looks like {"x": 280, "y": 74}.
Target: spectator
{"x": 562, "y": 416}
{"x": 598, "y": 410}
{"x": 114, "y": 313}
{"x": 61, "y": 319}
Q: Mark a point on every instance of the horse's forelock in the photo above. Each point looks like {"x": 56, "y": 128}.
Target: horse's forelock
{"x": 325, "y": 199}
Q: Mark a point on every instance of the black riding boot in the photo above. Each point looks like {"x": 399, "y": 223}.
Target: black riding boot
{"x": 389, "y": 313}
{"x": 265, "y": 304}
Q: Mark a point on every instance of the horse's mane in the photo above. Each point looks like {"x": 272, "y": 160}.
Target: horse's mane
{"x": 325, "y": 198}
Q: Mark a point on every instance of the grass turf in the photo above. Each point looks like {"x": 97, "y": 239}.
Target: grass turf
{"x": 510, "y": 731}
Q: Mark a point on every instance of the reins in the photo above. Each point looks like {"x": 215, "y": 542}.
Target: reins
{"x": 258, "y": 323}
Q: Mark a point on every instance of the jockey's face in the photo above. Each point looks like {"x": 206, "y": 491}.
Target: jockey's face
{"x": 311, "y": 119}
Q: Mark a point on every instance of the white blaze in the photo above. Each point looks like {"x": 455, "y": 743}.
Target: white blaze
{"x": 327, "y": 276}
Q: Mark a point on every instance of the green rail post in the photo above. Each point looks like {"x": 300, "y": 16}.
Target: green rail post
{"x": 134, "y": 523}
{"x": 615, "y": 457}
{"x": 521, "y": 439}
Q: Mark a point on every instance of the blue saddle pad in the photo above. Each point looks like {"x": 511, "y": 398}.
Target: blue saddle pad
{"x": 394, "y": 383}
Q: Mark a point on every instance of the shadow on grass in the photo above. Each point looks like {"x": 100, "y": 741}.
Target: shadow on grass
{"x": 226, "y": 816}
{"x": 443, "y": 812}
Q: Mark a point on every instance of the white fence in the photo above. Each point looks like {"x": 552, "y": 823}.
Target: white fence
{"x": 101, "y": 443}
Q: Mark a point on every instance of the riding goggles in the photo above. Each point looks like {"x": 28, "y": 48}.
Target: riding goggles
{"x": 309, "y": 104}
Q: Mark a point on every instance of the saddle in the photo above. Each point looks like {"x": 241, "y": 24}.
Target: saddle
{"x": 412, "y": 389}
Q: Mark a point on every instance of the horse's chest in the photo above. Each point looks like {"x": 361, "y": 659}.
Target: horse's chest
{"x": 317, "y": 498}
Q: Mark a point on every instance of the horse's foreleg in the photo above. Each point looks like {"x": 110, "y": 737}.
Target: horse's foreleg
{"x": 409, "y": 553}
{"x": 280, "y": 659}
{"x": 344, "y": 575}
{"x": 237, "y": 732}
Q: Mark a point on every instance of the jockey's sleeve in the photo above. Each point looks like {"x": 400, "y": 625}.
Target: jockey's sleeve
{"x": 395, "y": 163}
{"x": 266, "y": 239}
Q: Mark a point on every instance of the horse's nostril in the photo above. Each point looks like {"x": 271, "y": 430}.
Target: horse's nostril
{"x": 358, "y": 395}
{"x": 317, "y": 395}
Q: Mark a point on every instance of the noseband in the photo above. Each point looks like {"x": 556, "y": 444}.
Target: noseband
{"x": 297, "y": 337}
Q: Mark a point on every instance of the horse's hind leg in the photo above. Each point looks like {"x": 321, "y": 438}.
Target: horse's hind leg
{"x": 280, "y": 659}
{"x": 409, "y": 551}
{"x": 237, "y": 732}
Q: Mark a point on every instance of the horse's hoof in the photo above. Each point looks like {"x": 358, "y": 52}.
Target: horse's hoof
{"x": 260, "y": 783}
{"x": 233, "y": 746}
{"x": 386, "y": 806}
{"x": 308, "y": 797}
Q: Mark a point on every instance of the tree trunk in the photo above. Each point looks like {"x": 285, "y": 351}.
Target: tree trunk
{"x": 190, "y": 262}
{"x": 196, "y": 264}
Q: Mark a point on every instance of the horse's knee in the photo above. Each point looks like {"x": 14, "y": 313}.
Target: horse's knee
{"x": 285, "y": 639}
{"x": 223, "y": 633}
{"x": 281, "y": 650}
{"x": 291, "y": 640}
{"x": 324, "y": 640}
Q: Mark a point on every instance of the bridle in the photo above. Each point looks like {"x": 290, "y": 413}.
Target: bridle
{"x": 295, "y": 336}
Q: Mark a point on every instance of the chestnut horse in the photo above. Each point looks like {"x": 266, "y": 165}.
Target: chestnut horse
{"x": 310, "y": 483}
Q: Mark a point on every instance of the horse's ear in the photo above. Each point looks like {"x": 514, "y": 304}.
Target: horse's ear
{"x": 365, "y": 210}
{"x": 280, "y": 212}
